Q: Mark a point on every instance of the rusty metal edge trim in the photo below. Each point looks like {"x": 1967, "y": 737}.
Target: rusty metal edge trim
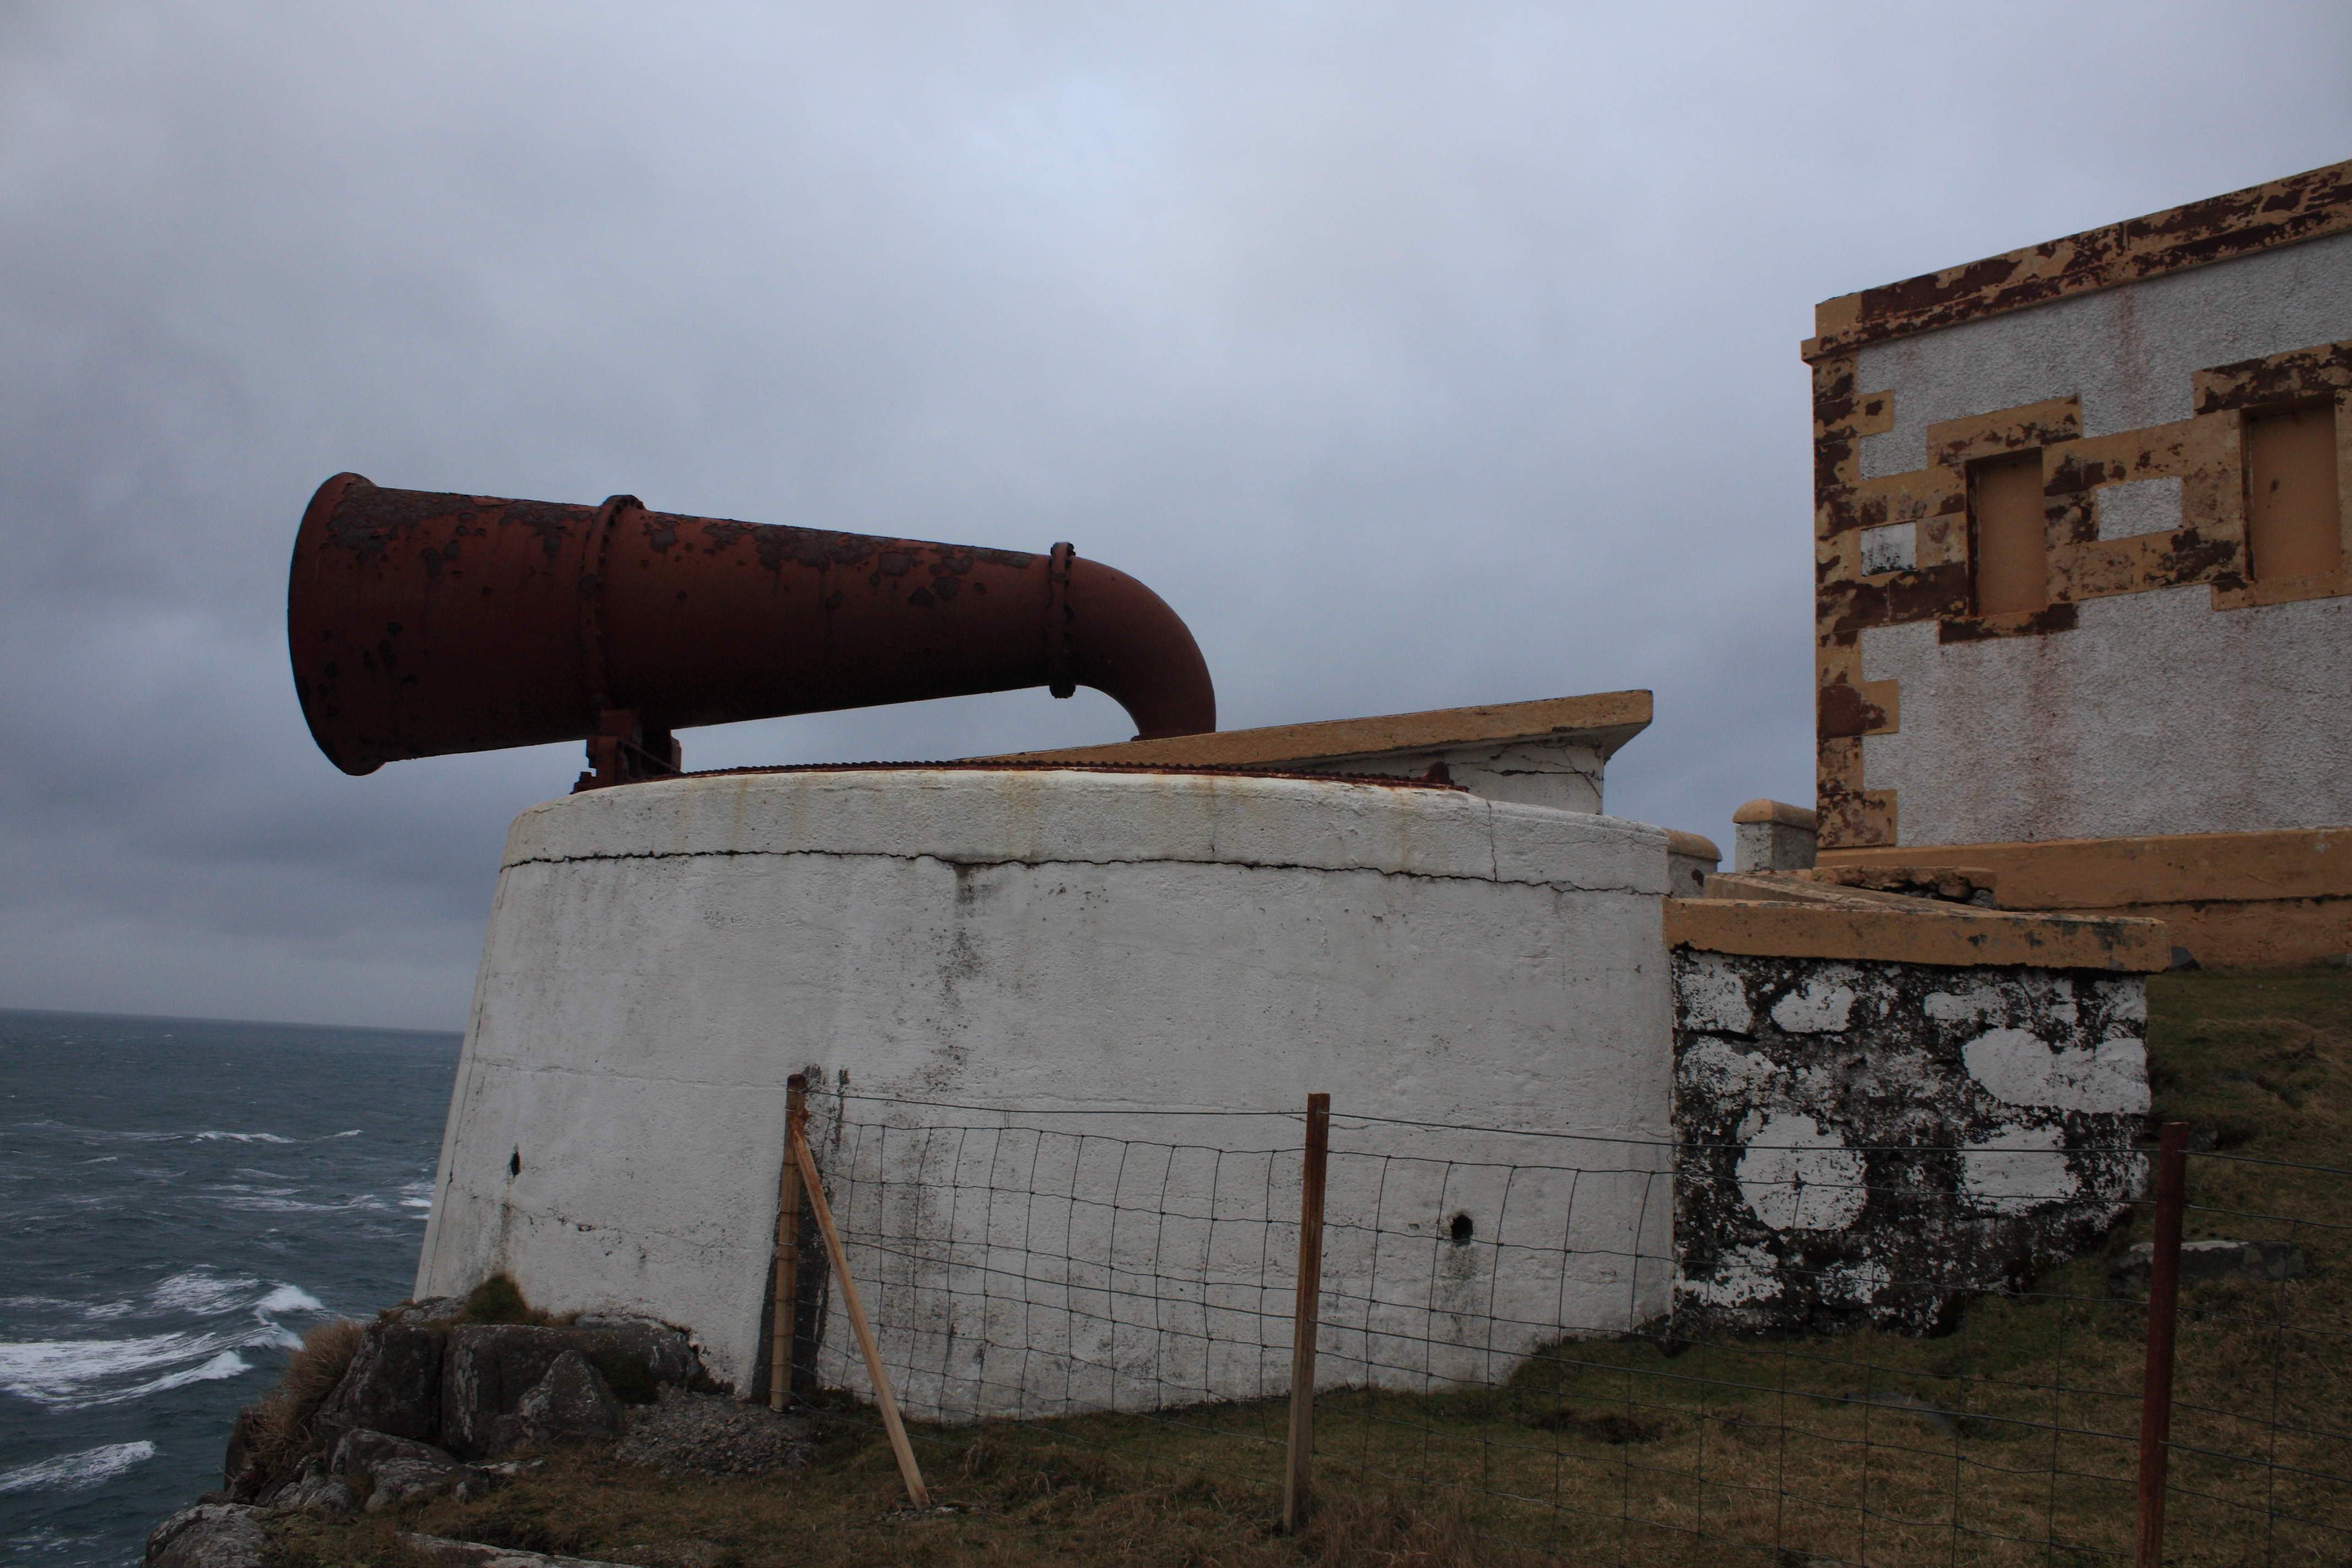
{"x": 1607, "y": 721}
{"x": 1382, "y": 781}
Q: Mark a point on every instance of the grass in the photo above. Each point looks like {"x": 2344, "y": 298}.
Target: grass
{"x": 278, "y": 1428}
{"x": 1755, "y": 1451}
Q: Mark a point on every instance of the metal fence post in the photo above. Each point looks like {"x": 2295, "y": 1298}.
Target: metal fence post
{"x": 2163, "y": 1318}
{"x": 786, "y": 1305}
{"x": 1299, "y": 1476}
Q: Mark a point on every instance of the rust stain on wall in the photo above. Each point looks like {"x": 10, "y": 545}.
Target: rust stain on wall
{"x": 2260, "y": 217}
{"x": 2206, "y": 452}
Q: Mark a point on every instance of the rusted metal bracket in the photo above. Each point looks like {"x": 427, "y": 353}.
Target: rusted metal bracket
{"x": 1058, "y": 616}
{"x": 623, "y": 751}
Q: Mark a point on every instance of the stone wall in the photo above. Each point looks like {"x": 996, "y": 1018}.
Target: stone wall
{"x": 1863, "y": 1140}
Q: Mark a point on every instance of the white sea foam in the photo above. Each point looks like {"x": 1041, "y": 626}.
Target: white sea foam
{"x": 289, "y": 1299}
{"x": 61, "y": 1372}
{"x": 72, "y": 1472}
{"x": 242, "y": 1138}
{"x": 58, "y": 1373}
{"x": 202, "y": 1293}
{"x": 48, "y": 1542}
{"x": 353, "y": 1134}
{"x": 228, "y": 1364}
{"x": 259, "y": 1203}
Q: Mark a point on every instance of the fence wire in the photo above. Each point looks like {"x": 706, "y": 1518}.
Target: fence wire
{"x": 1505, "y": 1333}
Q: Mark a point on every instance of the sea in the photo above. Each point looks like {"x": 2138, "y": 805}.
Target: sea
{"x": 180, "y": 1199}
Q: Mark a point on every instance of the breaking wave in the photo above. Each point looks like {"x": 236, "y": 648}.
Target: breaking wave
{"x": 81, "y": 1374}
{"x": 73, "y": 1472}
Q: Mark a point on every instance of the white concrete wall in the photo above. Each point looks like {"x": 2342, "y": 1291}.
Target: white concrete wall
{"x": 2127, "y": 352}
{"x": 661, "y": 957}
{"x": 1563, "y": 775}
{"x": 2157, "y": 714}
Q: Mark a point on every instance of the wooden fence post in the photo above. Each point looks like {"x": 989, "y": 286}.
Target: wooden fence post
{"x": 908, "y": 1471}
{"x": 2163, "y": 1318}
{"x": 784, "y": 1310}
{"x": 1298, "y": 1477}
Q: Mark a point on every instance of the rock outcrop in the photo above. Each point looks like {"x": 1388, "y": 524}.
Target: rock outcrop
{"x": 209, "y": 1535}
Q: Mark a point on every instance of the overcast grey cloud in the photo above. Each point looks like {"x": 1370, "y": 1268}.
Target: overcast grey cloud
{"x": 1418, "y": 355}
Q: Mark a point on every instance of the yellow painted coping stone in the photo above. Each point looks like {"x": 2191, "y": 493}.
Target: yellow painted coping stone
{"x": 1777, "y": 810}
{"x": 1604, "y": 720}
{"x": 1957, "y": 883}
{"x": 1690, "y": 846}
{"x": 2114, "y": 873}
{"x": 1773, "y": 917}
{"x": 2308, "y": 205}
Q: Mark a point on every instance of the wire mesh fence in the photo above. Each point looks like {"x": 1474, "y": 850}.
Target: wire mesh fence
{"x": 1503, "y": 1332}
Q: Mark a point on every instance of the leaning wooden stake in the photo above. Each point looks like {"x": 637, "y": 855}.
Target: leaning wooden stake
{"x": 908, "y": 1471}
{"x": 786, "y": 1304}
{"x": 1298, "y": 1477}
{"x": 2163, "y": 1319}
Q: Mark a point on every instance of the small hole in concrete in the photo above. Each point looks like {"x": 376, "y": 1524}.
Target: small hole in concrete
{"x": 1460, "y": 1229}
{"x": 514, "y": 1166}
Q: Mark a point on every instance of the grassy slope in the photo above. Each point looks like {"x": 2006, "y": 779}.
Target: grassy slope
{"x": 1618, "y": 1450}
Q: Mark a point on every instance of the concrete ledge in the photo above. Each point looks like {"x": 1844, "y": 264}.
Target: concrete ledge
{"x": 980, "y": 816}
{"x": 2259, "y": 217}
{"x": 2113, "y": 873}
{"x": 1693, "y": 846}
{"x": 1874, "y": 927}
{"x": 1603, "y": 722}
{"x": 1777, "y": 810}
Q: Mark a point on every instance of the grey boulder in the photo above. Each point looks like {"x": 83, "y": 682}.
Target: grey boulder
{"x": 488, "y": 1368}
{"x": 394, "y": 1385}
{"x": 209, "y": 1535}
{"x": 571, "y": 1402}
{"x": 240, "y": 1472}
{"x": 389, "y": 1471}
{"x": 318, "y": 1494}
{"x": 443, "y": 1552}
{"x": 431, "y": 1310}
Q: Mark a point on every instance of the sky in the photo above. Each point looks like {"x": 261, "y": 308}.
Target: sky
{"x": 1418, "y": 355}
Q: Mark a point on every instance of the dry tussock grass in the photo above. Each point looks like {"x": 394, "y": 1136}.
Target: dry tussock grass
{"x": 1011, "y": 1500}
{"x": 280, "y": 1427}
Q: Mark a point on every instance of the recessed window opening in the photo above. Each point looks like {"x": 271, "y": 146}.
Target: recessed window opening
{"x": 2293, "y": 523}
{"x": 1460, "y": 1229}
{"x": 2009, "y": 544}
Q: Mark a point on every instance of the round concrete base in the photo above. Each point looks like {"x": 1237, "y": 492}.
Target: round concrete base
{"x": 1106, "y": 954}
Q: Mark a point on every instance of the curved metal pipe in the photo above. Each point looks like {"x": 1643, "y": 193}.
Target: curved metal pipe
{"x": 421, "y": 623}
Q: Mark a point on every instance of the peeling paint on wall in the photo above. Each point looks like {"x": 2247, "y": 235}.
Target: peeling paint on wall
{"x": 2129, "y": 379}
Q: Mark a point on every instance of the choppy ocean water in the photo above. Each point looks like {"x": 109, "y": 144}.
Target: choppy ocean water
{"x": 180, "y": 1200}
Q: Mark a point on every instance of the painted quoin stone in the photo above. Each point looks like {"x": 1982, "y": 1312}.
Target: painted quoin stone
{"x": 1865, "y": 1142}
{"x": 1148, "y": 958}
